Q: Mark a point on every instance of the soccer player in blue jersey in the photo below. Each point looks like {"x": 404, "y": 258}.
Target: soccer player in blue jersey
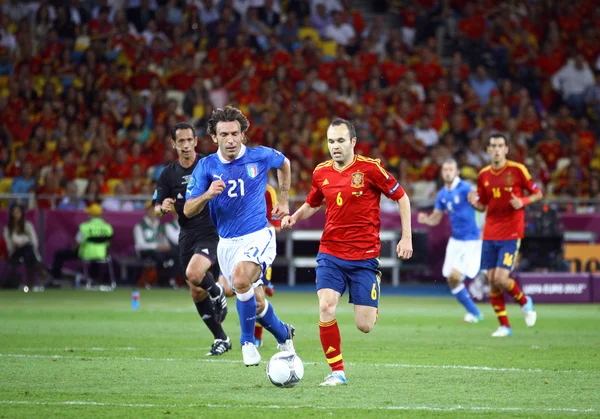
{"x": 234, "y": 181}
{"x": 463, "y": 252}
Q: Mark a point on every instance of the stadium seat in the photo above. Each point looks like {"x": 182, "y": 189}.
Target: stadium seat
{"x": 308, "y": 32}
{"x": 329, "y": 48}
{"x": 5, "y": 184}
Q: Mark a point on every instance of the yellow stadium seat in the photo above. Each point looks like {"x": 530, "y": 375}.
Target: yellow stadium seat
{"x": 5, "y": 184}
{"x": 111, "y": 183}
{"x": 329, "y": 48}
{"x": 308, "y": 32}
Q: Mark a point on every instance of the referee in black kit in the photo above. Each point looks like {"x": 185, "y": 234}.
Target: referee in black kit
{"x": 198, "y": 237}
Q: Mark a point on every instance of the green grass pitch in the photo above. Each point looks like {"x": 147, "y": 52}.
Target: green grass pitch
{"x": 84, "y": 354}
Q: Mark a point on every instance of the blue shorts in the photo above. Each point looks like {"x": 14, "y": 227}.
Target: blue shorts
{"x": 499, "y": 254}
{"x": 362, "y": 277}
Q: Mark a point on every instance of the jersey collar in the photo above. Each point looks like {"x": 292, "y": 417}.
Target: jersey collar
{"x": 225, "y": 161}
{"x": 455, "y": 183}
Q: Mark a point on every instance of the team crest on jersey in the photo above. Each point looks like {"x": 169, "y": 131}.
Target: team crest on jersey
{"x": 509, "y": 179}
{"x": 358, "y": 180}
{"x": 456, "y": 199}
{"x": 252, "y": 170}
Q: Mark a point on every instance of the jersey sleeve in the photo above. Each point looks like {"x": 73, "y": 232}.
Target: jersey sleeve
{"x": 163, "y": 189}
{"x": 274, "y": 158}
{"x": 271, "y": 198}
{"x": 315, "y": 196}
{"x": 386, "y": 183}
{"x": 198, "y": 183}
{"x": 438, "y": 202}
{"x": 483, "y": 198}
{"x": 528, "y": 182}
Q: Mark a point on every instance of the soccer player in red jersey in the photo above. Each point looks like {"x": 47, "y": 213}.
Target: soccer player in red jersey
{"x": 500, "y": 189}
{"x": 351, "y": 186}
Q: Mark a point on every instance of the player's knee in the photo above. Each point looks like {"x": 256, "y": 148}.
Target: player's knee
{"x": 365, "y": 326}
{"x": 327, "y": 308}
{"x": 241, "y": 285}
{"x": 453, "y": 281}
{"x": 194, "y": 276}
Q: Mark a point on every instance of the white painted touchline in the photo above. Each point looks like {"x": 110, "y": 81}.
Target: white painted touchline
{"x": 418, "y": 366}
{"x": 283, "y": 407}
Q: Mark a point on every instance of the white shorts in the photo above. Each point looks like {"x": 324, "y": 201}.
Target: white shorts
{"x": 258, "y": 247}
{"x": 464, "y": 256}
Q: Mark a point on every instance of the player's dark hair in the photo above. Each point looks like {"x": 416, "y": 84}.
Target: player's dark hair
{"x": 181, "y": 125}
{"x": 227, "y": 114}
{"x": 340, "y": 121}
{"x": 497, "y": 135}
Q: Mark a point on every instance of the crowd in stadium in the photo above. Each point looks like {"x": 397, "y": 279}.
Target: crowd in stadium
{"x": 88, "y": 92}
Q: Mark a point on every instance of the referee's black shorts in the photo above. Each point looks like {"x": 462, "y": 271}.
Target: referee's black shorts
{"x": 191, "y": 244}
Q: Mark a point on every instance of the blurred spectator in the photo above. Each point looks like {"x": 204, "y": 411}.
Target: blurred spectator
{"x": 572, "y": 80}
{"x": 72, "y": 200}
{"x": 482, "y": 84}
{"x": 118, "y": 202}
{"x": 152, "y": 242}
{"x": 23, "y": 247}
{"x": 25, "y": 182}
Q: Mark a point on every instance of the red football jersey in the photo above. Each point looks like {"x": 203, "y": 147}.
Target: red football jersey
{"x": 495, "y": 189}
{"x": 271, "y": 197}
{"x": 352, "y": 197}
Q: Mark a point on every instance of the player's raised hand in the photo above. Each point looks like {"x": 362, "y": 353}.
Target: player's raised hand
{"x": 422, "y": 218}
{"x": 216, "y": 188}
{"x": 473, "y": 197}
{"x": 287, "y": 222}
{"x": 404, "y": 248}
{"x": 167, "y": 205}
{"x": 280, "y": 210}
{"x": 516, "y": 202}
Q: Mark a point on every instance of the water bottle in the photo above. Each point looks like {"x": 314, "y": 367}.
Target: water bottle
{"x": 135, "y": 300}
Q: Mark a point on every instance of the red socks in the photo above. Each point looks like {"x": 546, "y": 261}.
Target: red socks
{"x": 331, "y": 343}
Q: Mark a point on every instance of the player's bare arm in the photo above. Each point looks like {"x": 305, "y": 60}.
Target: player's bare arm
{"x": 473, "y": 198}
{"x": 520, "y": 202}
{"x": 284, "y": 177}
{"x": 432, "y": 219}
{"x": 304, "y": 212}
{"x": 193, "y": 206}
{"x": 163, "y": 209}
{"x": 404, "y": 247}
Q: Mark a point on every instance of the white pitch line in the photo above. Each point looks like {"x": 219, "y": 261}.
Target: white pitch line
{"x": 294, "y": 407}
{"x": 418, "y": 366}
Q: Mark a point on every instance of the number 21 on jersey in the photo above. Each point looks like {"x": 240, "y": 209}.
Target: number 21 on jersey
{"x": 234, "y": 185}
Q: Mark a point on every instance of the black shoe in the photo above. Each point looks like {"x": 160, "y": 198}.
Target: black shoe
{"x": 219, "y": 347}
{"x": 220, "y": 303}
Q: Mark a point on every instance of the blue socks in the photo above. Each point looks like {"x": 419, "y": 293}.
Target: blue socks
{"x": 246, "y": 308}
{"x": 463, "y": 297}
{"x": 269, "y": 320}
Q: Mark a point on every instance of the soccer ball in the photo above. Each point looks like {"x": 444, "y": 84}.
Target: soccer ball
{"x": 285, "y": 369}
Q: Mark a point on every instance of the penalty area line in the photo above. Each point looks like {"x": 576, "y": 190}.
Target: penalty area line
{"x": 295, "y": 407}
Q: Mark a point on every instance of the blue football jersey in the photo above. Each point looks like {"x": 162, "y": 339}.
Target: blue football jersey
{"x": 462, "y": 215}
{"x": 241, "y": 208}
